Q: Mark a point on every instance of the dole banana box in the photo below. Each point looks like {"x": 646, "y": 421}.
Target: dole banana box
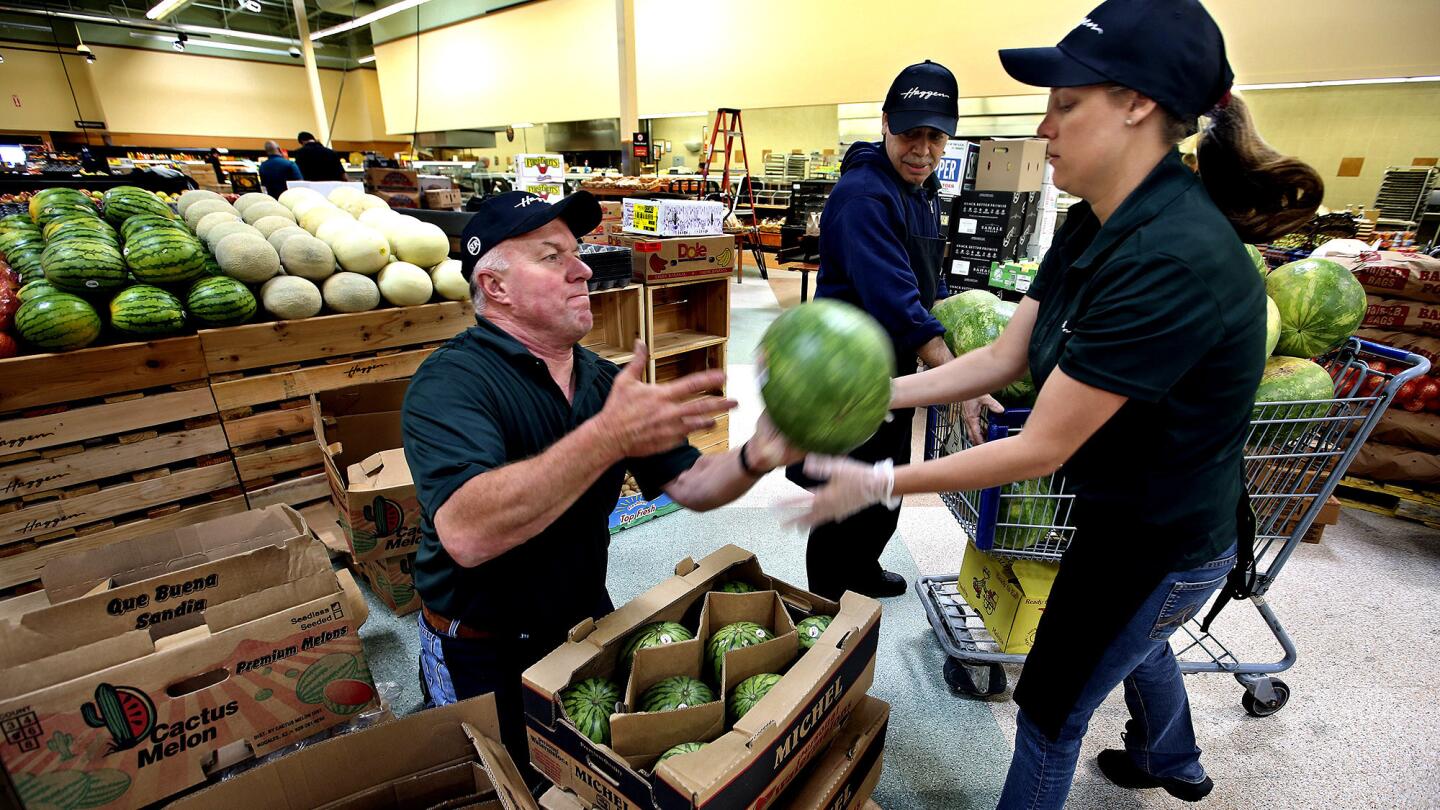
{"x": 195, "y": 651}
{"x": 358, "y": 429}
{"x": 682, "y": 258}
{"x": 744, "y": 765}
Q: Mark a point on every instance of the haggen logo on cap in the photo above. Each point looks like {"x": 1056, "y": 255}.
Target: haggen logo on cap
{"x": 1091, "y": 24}
{"x": 526, "y": 201}
{"x": 916, "y": 92}
{"x": 473, "y": 246}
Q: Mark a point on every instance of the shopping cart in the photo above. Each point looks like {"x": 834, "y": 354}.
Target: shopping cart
{"x": 1295, "y": 454}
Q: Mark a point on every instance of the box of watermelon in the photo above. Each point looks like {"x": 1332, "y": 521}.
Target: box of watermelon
{"x": 393, "y": 580}
{"x": 787, "y": 665}
{"x": 846, "y": 774}
{"x": 146, "y": 666}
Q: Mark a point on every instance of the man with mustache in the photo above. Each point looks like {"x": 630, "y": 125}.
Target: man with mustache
{"x": 880, "y": 249}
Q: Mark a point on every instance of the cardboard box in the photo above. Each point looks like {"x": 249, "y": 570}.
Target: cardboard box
{"x": 443, "y": 200}
{"x": 1009, "y": 601}
{"x": 392, "y": 180}
{"x": 764, "y": 753}
{"x": 548, "y": 190}
{"x": 846, "y": 774}
{"x": 543, "y": 167}
{"x": 957, "y": 167}
{"x": 447, "y": 757}
{"x": 557, "y": 799}
{"x": 393, "y": 580}
{"x": 201, "y": 648}
{"x": 679, "y": 258}
{"x": 436, "y": 182}
{"x": 673, "y": 217}
{"x": 1011, "y": 165}
{"x": 632, "y": 510}
{"x": 1013, "y": 276}
{"x": 358, "y": 429}
{"x": 611, "y": 210}
{"x": 400, "y": 199}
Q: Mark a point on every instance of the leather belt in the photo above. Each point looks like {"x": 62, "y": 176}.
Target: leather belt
{"x": 447, "y": 627}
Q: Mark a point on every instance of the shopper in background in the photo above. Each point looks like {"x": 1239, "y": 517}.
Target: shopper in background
{"x": 214, "y": 160}
{"x": 316, "y": 161}
{"x": 518, "y": 441}
{"x": 277, "y": 171}
{"x": 1145, "y": 333}
{"x": 880, "y": 249}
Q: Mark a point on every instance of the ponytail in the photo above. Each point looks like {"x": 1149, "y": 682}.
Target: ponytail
{"x": 1263, "y": 193}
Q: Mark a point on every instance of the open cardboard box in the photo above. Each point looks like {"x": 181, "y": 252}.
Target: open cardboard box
{"x": 448, "y": 757}
{"x": 200, "y": 648}
{"x": 358, "y": 429}
{"x": 762, "y": 754}
{"x": 844, "y": 776}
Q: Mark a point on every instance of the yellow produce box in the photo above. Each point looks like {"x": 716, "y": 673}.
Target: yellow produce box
{"x": 1009, "y": 596}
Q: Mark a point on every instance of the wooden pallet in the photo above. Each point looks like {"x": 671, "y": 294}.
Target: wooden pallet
{"x": 262, "y": 376}
{"x": 1391, "y": 500}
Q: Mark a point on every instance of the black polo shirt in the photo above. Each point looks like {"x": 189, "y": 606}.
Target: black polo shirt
{"x": 1160, "y": 305}
{"x": 482, "y": 401}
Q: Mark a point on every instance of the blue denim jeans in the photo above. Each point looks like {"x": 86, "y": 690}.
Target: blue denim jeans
{"x": 1158, "y": 735}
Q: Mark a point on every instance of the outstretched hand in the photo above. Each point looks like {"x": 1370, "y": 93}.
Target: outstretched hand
{"x": 850, "y": 486}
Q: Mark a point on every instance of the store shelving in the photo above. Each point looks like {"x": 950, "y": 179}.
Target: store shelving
{"x": 686, "y": 317}
{"x": 618, "y": 323}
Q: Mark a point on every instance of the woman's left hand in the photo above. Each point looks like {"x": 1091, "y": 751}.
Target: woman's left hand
{"x": 850, "y": 486}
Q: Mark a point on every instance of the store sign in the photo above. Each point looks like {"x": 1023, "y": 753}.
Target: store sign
{"x": 950, "y": 171}
{"x": 640, "y": 144}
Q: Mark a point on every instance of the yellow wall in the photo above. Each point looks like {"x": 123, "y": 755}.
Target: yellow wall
{"x": 45, "y": 100}
{"x": 1387, "y": 125}
{"x": 779, "y": 129}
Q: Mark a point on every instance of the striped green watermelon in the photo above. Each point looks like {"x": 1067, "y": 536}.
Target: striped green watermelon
{"x": 333, "y": 667}
{"x": 160, "y": 257}
{"x": 17, "y": 222}
{"x": 1258, "y": 259}
{"x": 589, "y": 704}
{"x": 1028, "y": 512}
{"x": 827, "y": 375}
{"x": 10, "y": 241}
{"x": 973, "y": 319}
{"x": 1320, "y": 302}
{"x": 682, "y": 748}
{"x": 732, "y": 637}
{"x": 35, "y": 289}
{"x": 1289, "y": 379}
{"x": 736, "y": 586}
{"x": 59, "y": 210}
{"x": 220, "y": 301}
{"x": 25, "y": 260}
{"x": 71, "y": 222}
{"x": 123, "y": 202}
{"x": 146, "y": 311}
{"x": 137, "y": 225}
{"x": 652, "y": 635}
{"x": 676, "y": 692}
{"x": 811, "y": 628}
{"x": 56, "y": 196}
{"x": 749, "y": 692}
{"x": 79, "y": 265}
{"x": 59, "y": 322}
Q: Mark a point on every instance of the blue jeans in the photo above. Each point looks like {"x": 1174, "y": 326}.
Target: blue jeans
{"x": 1158, "y": 735}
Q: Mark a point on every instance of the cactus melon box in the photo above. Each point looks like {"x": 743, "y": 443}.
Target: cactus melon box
{"x": 393, "y": 580}
{"x": 370, "y": 484}
{"x": 162, "y": 674}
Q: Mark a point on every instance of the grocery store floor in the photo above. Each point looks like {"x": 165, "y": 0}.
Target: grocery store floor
{"x": 1362, "y": 728}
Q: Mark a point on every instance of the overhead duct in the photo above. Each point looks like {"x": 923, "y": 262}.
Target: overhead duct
{"x": 594, "y": 135}
{"x": 456, "y": 139}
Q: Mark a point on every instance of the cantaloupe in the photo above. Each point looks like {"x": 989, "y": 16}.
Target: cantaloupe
{"x": 312, "y": 220}
{"x": 405, "y": 285}
{"x": 373, "y": 216}
{"x": 340, "y": 194}
{"x": 269, "y": 225}
{"x": 278, "y": 238}
{"x": 290, "y": 196}
{"x": 203, "y": 225}
{"x": 305, "y": 205}
{"x": 200, "y": 208}
{"x": 260, "y": 210}
{"x": 307, "y": 257}
{"x": 448, "y": 281}
{"x": 424, "y": 244}
{"x": 246, "y": 200}
{"x": 247, "y": 257}
{"x": 365, "y": 202}
{"x": 362, "y": 250}
{"x": 291, "y": 298}
{"x": 224, "y": 229}
{"x": 193, "y": 196}
{"x": 332, "y": 227}
{"x": 351, "y": 292}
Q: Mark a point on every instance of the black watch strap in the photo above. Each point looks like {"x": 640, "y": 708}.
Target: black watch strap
{"x": 745, "y": 462}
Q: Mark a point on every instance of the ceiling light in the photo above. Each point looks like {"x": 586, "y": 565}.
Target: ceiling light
{"x": 1336, "y": 83}
{"x": 82, "y": 48}
{"x": 365, "y": 60}
{"x": 164, "y": 8}
{"x": 2, "y": 58}
{"x": 179, "y": 43}
{"x": 522, "y": 126}
{"x": 223, "y": 46}
{"x": 699, "y": 114}
{"x": 378, "y": 14}
{"x": 252, "y": 6}
{"x": 294, "y": 52}
{"x": 89, "y": 58}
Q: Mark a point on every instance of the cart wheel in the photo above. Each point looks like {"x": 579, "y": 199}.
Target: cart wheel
{"x": 1258, "y": 708}
{"x": 962, "y": 678}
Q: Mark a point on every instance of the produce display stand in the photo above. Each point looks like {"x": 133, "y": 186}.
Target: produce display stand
{"x": 1295, "y": 455}
{"x": 687, "y": 329}
{"x": 106, "y": 444}
{"x": 262, "y": 375}
{"x": 618, "y": 323}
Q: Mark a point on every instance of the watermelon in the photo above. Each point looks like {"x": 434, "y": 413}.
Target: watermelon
{"x": 811, "y": 628}
{"x": 220, "y": 301}
{"x": 1320, "y": 302}
{"x": 1272, "y": 326}
{"x": 828, "y": 367}
{"x": 333, "y": 667}
{"x": 652, "y": 635}
{"x": 59, "y": 322}
{"x": 749, "y": 692}
{"x": 973, "y": 319}
{"x": 123, "y": 202}
{"x": 137, "y": 225}
{"x": 732, "y": 637}
{"x": 1025, "y": 518}
{"x": 1258, "y": 259}
{"x": 59, "y": 196}
{"x": 25, "y": 261}
{"x": 160, "y": 257}
{"x": 35, "y": 289}
{"x": 11, "y": 241}
{"x": 589, "y": 704}
{"x": 73, "y": 223}
{"x": 682, "y": 748}
{"x": 676, "y": 692}
{"x": 77, "y": 265}
{"x": 146, "y": 311}
{"x": 1290, "y": 379}
{"x": 17, "y": 222}
{"x": 53, "y": 211}
{"x": 736, "y": 586}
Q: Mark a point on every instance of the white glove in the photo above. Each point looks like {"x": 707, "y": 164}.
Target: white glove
{"x": 851, "y": 487}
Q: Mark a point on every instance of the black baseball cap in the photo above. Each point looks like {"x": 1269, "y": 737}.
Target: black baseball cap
{"x": 1169, "y": 50}
{"x": 924, "y": 95}
{"x": 519, "y": 212}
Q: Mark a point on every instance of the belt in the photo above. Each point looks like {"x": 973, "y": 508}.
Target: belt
{"x": 449, "y": 627}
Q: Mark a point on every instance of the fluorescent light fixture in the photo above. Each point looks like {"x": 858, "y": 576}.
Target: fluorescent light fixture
{"x": 2, "y": 58}
{"x": 227, "y": 32}
{"x": 220, "y": 46}
{"x": 82, "y": 48}
{"x": 675, "y": 115}
{"x": 365, "y": 60}
{"x": 358, "y": 22}
{"x": 165, "y": 8}
{"x": 1336, "y": 83}
{"x": 522, "y": 126}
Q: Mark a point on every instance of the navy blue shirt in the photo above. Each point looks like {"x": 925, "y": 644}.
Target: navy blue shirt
{"x": 276, "y": 173}
{"x": 479, "y": 402}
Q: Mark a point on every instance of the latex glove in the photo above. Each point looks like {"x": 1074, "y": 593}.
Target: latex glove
{"x": 850, "y": 487}
{"x": 970, "y": 413}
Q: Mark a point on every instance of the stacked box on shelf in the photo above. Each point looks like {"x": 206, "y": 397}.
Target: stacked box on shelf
{"x": 106, "y": 444}
{"x": 687, "y": 327}
{"x": 262, "y": 375}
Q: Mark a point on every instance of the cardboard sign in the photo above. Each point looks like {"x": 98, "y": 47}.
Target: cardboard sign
{"x": 681, "y": 258}
{"x": 956, "y": 169}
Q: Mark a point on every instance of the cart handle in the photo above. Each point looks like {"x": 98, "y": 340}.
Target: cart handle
{"x": 1387, "y": 352}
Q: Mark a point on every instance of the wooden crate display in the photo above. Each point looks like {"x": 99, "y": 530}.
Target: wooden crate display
{"x": 106, "y": 444}
{"x": 262, "y": 376}
{"x": 714, "y": 439}
{"x": 617, "y": 323}
{"x": 686, "y": 317}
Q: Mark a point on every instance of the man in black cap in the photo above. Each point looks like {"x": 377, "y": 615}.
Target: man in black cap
{"x": 518, "y": 440}
{"x": 880, "y": 249}
{"x": 317, "y": 162}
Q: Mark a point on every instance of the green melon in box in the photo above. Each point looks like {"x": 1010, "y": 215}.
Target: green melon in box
{"x": 732, "y": 637}
{"x": 84, "y": 265}
{"x": 589, "y": 704}
{"x": 1321, "y": 304}
{"x": 676, "y": 692}
{"x": 811, "y": 628}
{"x": 57, "y": 322}
{"x": 749, "y": 692}
{"x": 220, "y": 301}
{"x": 147, "y": 311}
{"x": 682, "y": 748}
{"x": 164, "y": 258}
{"x": 652, "y": 635}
